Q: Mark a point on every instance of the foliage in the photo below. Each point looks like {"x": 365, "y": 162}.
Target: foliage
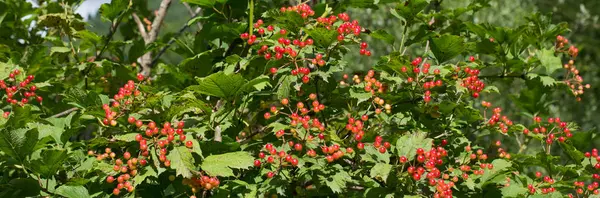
{"x": 259, "y": 104}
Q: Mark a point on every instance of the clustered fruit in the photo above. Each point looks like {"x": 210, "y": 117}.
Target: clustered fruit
{"x": 553, "y": 129}
{"x": 122, "y": 102}
{"x": 290, "y": 44}
{"x": 197, "y": 183}
{"x": 19, "y": 92}
{"x": 471, "y": 81}
{"x": 497, "y": 118}
{"x": 572, "y": 77}
{"x": 419, "y": 73}
{"x": 124, "y": 169}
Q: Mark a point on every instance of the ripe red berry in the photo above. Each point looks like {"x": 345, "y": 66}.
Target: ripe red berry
{"x": 270, "y": 174}
{"x": 472, "y": 59}
{"x": 189, "y": 144}
{"x": 140, "y": 77}
{"x": 110, "y": 179}
{"x": 257, "y": 163}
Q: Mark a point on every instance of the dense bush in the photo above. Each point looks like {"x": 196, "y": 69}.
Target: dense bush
{"x": 260, "y": 104}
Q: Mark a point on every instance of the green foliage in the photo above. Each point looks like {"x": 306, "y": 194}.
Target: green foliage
{"x": 255, "y": 99}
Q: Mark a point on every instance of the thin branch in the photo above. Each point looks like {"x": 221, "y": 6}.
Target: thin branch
{"x": 193, "y": 13}
{"x": 160, "y": 16}
{"x": 164, "y": 49}
{"x": 66, "y": 112}
{"x": 140, "y": 26}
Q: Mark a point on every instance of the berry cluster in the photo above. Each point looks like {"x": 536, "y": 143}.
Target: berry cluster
{"x": 594, "y": 154}
{"x": 572, "y": 77}
{"x": 123, "y": 171}
{"x": 426, "y": 163}
{"x": 289, "y": 45}
{"x": 497, "y": 118}
{"x": 19, "y": 93}
{"x": 543, "y": 187}
{"x": 304, "y": 10}
{"x": 281, "y": 158}
{"x": 472, "y": 81}
{"x": 590, "y": 189}
{"x": 153, "y": 133}
{"x": 122, "y": 102}
{"x": 201, "y": 182}
{"x": 558, "y": 130}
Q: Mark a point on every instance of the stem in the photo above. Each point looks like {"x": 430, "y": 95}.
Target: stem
{"x": 251, "y": 16}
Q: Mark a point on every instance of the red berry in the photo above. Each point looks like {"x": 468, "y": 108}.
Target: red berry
{"x": 110, "y": 179}
{"x": 189, "y": 144}
{"x": 257, "y": 163}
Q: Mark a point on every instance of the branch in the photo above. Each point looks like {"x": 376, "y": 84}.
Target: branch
{"x": 193, "y": 13}
{"x": 140, "y": 26}
{"x": 160, "y": 16}
{"x": 66, "y": 112}
{"x": 150, "y": 36}
{"x": 181, "y": 30}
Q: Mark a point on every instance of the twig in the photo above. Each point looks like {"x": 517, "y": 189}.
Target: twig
{"x": 181, "y": 30}
{"x": 66, "y": 112}
{"x": 140, "y": 26}
{"x": 193, "y": 13}
{"x": 150, "y": 36}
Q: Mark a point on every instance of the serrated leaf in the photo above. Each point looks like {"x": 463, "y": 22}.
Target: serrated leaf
{"x": 548, "y": 60}
{"x": 447, "y": 47}
{"x": 221, "y": 165}
{"x": 182, "y": 161}
{"x": 361, "y": 97}
{"x": 72, "y": 191}
{"x": 384, "y": 36}
{"x": 500, "y": 165}
{"x": 410, "y": 9}
{"x": 514, "y": 190}
{"x": 285, "y": 85}
{"x": 51, "y": 160}
{"x": 18, "y": 143}
{"x": 337, "y": 183}
{"x": 219, "y": 85}
{"x": 407, "y": 145}
{"x": 321, "y": 36}
{"x": 375, "y": 155}
{"x": 146, "y": 172}
{"x": 256, "y": 84}
{"x": 381, "y": 170}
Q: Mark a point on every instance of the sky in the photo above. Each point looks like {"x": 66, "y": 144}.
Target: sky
{"x": 88, "y": 7}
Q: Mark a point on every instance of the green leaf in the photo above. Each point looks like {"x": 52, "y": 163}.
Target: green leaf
{"x": 18, "y": 143}
{"x": 21, "y": 187}
{"x": 59, "y": 50}
{"x": 337, "y": 183}
{"x": 219, "y": 85}
{"x": 547, "y": 81}
{"x": 548, "y": 60}
{"x": 407, "y": 145}
{"x": 322, "y": 36}
{"x": 410, "y": 9}
{"x": 361, "y": 97}
{"x": 130, "y": 137}
{"x": 285, "y": 84}
{"x": 373, "y": 155}
{"x": 182, "y": 161}
{"x": 381, "y": 170}
{"x": 202, "y": 3}
{"x": 514, "y": 190}
{"x": 221, "y": 165}
{"x": 47, "y": 130}
{"x": 500, "y": 165}
{"x": 50, "y": 162}
{"x": 72, "y": 191}
{"x": 573, "y": 153}
{"x": 384, "y": 36}
{"x": 256, "y": 84}
{"x": 111, "y": 11}
{"x": 447, "y": 47}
